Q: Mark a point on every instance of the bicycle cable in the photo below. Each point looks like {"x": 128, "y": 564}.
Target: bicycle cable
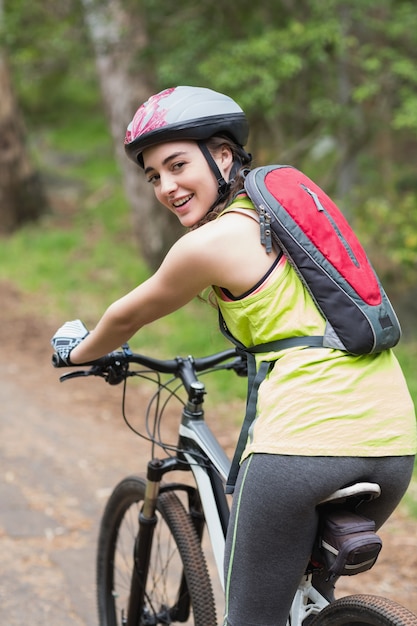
{"x": 155, "y": 379}
{"x": 154, "y": 434}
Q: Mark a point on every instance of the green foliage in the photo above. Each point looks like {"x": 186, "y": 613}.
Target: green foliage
{"x": 51, "y": 58}
{"x": 392, "y": 247}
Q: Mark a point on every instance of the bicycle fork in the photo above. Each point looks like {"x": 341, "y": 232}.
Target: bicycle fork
{"x": 142, "y": 552}
{"x": 144, "y": 539}
{"x": 148, "y": 520}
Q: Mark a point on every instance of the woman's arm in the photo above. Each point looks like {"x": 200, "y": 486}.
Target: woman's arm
{"x": 225, "y": 252}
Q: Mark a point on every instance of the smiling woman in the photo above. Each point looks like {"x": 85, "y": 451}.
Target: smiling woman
{"x": 321, "y": 414}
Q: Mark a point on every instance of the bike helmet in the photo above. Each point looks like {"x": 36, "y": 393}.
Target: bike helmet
{"x": 195, "y": 113}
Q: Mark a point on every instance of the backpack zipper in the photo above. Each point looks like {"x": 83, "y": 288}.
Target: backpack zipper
{"x": 321, "y": 209}
{"x": 265, "y": 226}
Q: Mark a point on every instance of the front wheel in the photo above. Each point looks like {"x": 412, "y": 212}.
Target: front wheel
{"x": 178, "y": 587}
{"x": 364, "y": 610}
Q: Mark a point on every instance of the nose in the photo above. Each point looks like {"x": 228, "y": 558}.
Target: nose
{"x": 167, "y": 184}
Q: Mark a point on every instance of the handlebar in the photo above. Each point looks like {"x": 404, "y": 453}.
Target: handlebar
{"x": 114, "y": 367}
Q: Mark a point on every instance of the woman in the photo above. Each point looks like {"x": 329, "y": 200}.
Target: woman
{"x": 325, "y": 418}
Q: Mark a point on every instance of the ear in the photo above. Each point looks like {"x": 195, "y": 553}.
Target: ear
{"x": 225, "y": 159}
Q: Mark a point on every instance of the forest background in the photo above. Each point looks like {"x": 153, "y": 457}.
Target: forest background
{"x": 328, "y": 86}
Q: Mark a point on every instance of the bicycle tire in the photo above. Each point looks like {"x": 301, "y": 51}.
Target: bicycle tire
{"x": 175, "y": 548}
{"x": 364, "y": 610}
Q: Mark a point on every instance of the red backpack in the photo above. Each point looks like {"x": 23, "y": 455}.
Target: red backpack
{"x": 318, "y": 241}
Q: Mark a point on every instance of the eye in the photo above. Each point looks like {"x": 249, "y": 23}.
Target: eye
{"x": 153, "y": 179}
{"x": 178, "y": 165}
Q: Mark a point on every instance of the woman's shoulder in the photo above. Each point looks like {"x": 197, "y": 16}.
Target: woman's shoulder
{"x": 231, "y": 227}
{"x": 228, "y": 251}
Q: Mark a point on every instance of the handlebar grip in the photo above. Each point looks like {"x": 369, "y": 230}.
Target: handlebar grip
{"x": 57, "y": 361}
{"x": 104, "y": 361}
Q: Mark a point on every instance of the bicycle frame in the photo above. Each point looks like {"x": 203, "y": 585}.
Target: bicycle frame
{"x": 209, "y": 483}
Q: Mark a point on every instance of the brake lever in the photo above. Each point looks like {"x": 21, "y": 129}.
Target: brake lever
{"x": 93, "y": 371}
{"x": 65, "y": 377}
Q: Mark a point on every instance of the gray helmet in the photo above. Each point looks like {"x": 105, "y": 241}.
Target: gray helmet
{"x": 182, "y": 112}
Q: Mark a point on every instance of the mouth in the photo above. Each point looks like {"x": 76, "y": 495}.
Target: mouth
{"x": 178, "y": 204}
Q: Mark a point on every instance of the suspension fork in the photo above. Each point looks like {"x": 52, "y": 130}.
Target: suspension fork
{"x": 143, "y": 543}
{"x": 147, "y": 516}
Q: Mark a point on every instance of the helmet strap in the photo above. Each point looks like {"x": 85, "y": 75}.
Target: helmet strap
{"x": 223, "y": 185}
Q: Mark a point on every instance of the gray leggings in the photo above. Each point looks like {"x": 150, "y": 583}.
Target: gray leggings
{"x": 274, "y": 520}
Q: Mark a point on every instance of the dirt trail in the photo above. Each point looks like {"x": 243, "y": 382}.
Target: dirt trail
{"x": 62, "y": 448}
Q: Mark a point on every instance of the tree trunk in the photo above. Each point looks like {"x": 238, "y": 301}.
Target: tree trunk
{"x": 118, "y": 37}
{"x": 21, "y": 192}
{"x": 346, "y": 137}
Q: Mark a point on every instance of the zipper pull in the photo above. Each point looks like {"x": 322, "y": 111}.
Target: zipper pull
{"x": 315, "y": 198}
{"x": 262, "y": 225}
{"x": 265, "y": 228}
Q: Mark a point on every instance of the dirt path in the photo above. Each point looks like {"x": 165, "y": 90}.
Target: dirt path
{"x": 62, "y": 448}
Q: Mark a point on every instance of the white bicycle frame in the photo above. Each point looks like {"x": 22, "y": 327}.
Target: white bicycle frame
{"x": 307, "y": 601}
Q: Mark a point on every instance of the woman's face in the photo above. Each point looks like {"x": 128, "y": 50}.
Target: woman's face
{"x": 182, "y": 179}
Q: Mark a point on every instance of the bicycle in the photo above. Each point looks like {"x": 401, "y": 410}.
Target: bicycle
{"x": 151, "y": 568}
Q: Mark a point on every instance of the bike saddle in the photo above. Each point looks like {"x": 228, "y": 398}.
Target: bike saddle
{"x": 367, "y": 491}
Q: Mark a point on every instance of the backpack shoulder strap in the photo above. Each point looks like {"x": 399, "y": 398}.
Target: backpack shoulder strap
{"x": 252, "y": 399}
{"x": 255, "y": 378}
{"x": 252, "y": 213}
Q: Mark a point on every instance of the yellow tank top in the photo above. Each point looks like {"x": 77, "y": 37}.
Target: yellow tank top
{"x": 317, "y": 401}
